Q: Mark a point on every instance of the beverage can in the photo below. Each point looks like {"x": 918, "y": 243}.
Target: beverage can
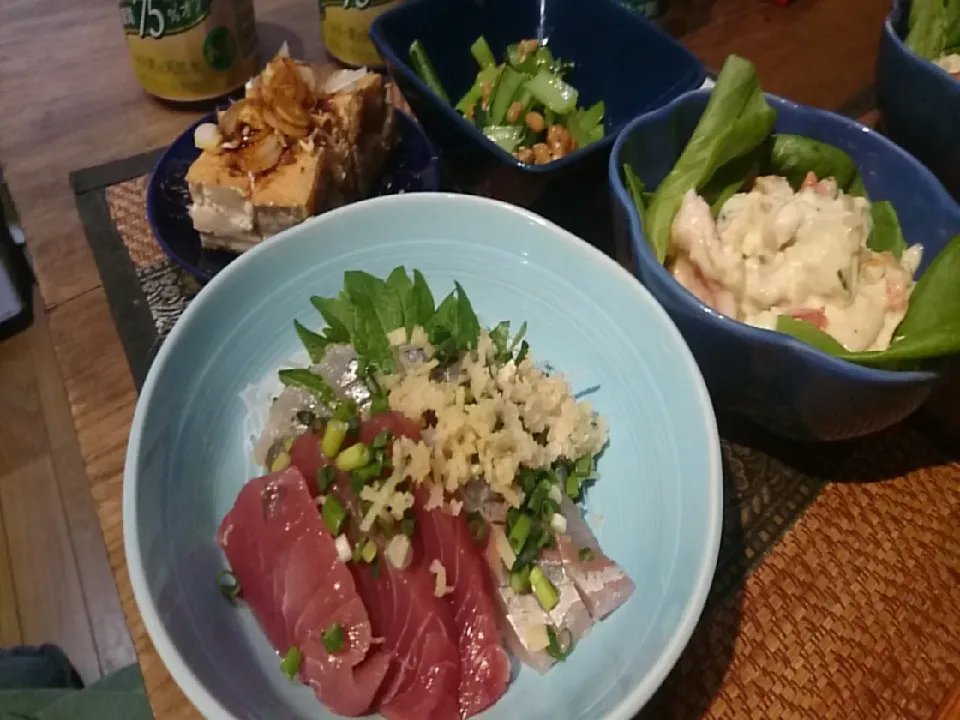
{"x": 191, "y": 50}
{"x": 345, "y": 27}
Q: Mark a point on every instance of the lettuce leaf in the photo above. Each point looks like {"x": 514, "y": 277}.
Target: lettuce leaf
{"x": 927, "y": 28}
{"x": 736, "y": 120}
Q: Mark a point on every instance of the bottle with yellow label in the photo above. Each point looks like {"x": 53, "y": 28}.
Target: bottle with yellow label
{"x": 345, "y": 27}
{"x": 191, "y": 50}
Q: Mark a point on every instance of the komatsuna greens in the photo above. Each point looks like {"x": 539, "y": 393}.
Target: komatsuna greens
{"x": 732, "y": 144}
{"x": 933, "y": 28}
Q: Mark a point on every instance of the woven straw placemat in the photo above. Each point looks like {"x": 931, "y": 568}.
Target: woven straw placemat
{"x": 837, "y": 593}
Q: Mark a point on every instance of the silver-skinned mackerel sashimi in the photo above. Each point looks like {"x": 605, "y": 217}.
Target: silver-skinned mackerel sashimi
{"x": 602, "y": 584}
{"x": 285, "y": 562}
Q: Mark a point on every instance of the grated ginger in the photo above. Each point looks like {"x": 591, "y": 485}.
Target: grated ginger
{"x": 517, "y": 415}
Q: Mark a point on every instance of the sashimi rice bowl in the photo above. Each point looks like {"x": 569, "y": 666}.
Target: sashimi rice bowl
{"x": 415, "y": 533}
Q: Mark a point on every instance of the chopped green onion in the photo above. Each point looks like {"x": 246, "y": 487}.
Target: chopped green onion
{"x": 545, "y": 590}
{"x": 228, "y": 584}
{"x": 375, "y": 568}
{"x": 586, "y": 554}
{"x": 386, "y": 523}
{"x": 584, "y": 466}
{"x": 356, "y": 483}
{"x": 424, "y": 68}
{"x": 381, "y": 440}
{"x": 369, "y": 551}
{"x": 290, "y": 664}
{"x": 379, "y": 404}
{"x": 408, "y": 525}
{"x": 325, "y": 477}
{"x": 573, "y": 486}
{"x": 353, "y": 458}
{"x": 553, "y": 92}
{"x": 305, "y": 417}
{"x": 539, "y": 495}
{"x": 520, "y": 532}
{"x": 333, "y": 437}
{"x": 280, "y": 462}
{"x": 333, "y": 514}
{"x": 561, "y": 644}
{"x": 520, "y": 581}
{"x": 482, "y": 53}
{"x": 477, "y": 526}
{"x": 346, "y": 412}
{"x": 333, "y": 638}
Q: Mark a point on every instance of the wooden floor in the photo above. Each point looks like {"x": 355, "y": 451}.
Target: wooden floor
{"x": 55, "y": 583}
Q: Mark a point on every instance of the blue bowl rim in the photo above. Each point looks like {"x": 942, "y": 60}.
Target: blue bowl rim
{"x": 204, "y": 275}
{"x": 900, "y": 6}
{"x": 395, "y": 60}
{"x": 748, "y": 333}
{"x": 194, "y": 690}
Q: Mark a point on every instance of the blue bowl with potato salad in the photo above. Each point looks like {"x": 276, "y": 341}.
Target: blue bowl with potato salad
{"x": 810, "y": 263}
{"x": 425, "y": 427}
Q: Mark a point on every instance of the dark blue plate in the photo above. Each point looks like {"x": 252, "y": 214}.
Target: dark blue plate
{"x": 413, "y": 167}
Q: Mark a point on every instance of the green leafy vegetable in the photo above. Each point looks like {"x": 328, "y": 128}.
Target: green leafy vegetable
{"x": 934, "y": 310}
{"x": 312, "y": 382}
{"x": 454, "y": 328}
{"x": 886, "y": 235}
{"x": 736, "y": 120}
{"x": 339, "y": 316}
{"x": 482, "y": 54}
{"x": 810, "y": 334}
{"x": 732, "y": 177}
{"x": 553, "y": 92}
{"x": 927, "y": 28}
{"x": 636, "y": 188}
{"x": 421, "y": 305}
{"x": 316, "y": 345}
{"x": 793, "y": 157}
{"x": 424, "y": 68}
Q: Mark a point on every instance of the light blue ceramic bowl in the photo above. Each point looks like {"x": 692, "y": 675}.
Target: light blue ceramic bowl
{"x": 659, "y": 495}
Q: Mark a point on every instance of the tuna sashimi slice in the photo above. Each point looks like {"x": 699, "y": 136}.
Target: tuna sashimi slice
{"x": 484, "y": 664}
{"x": 602, "y": 584}
{"x": 417, "y": 629}
{"x": 286, "y": 563}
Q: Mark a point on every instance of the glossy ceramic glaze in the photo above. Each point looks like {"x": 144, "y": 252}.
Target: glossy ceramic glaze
{"x": 656, "y": 507}
{"x": 789, "y": 387}
{"x": 621, "y": 58}
{"x": 413, "y": 167}
{"x": 919, "y": 102}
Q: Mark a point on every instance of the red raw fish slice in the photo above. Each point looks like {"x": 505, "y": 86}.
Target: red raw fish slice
{"x": 274, "y": 538}
{"x": 417, "y": 627}
{"x": 418, "y": 631}
{"x": 267, "y": 518}
{"x": 484, "y": 665}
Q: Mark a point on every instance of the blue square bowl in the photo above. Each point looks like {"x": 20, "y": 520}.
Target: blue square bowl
{"x": 787, "y": 386}
{"x": 919, "y": 102}
{"x": 620, "y": 56}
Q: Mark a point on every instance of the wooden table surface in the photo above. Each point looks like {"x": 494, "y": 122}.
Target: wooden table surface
{"x": 70, "y": 100}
